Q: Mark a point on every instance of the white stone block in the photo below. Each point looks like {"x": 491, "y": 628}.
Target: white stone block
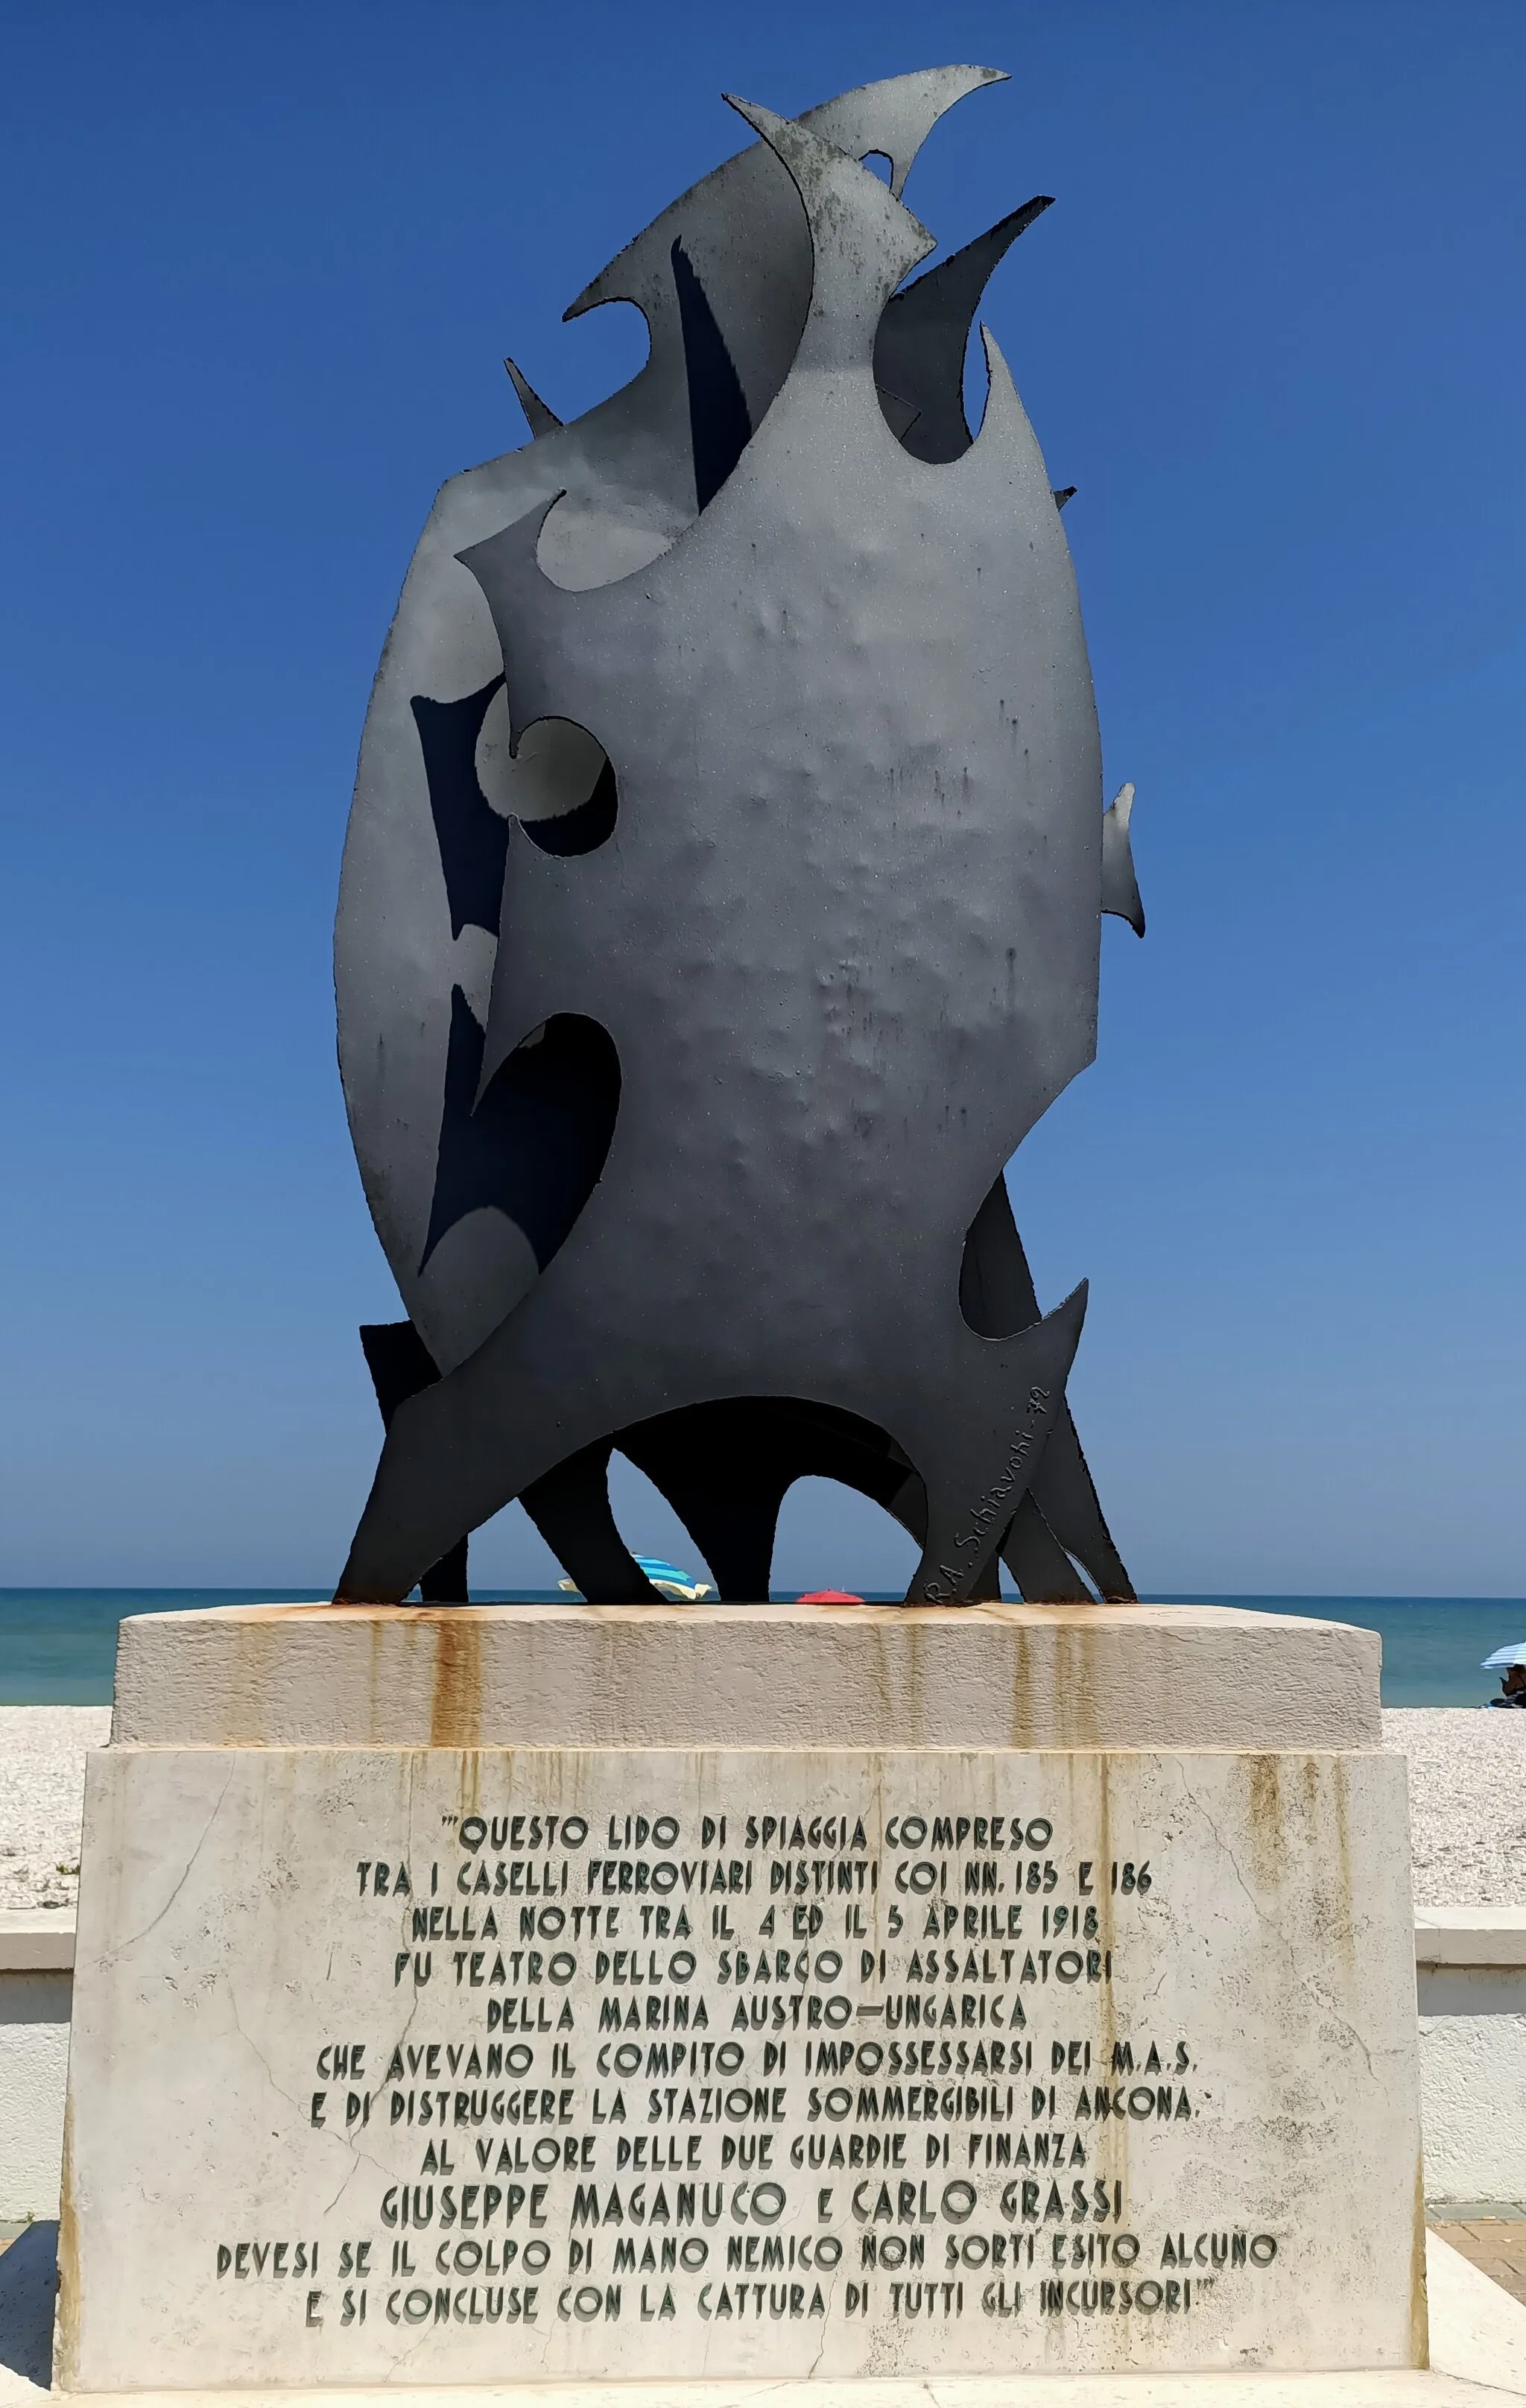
{"x": 745, "y": 1676}
{"x": 1472, "y": 2085}
{"x": 904, "y": 2135}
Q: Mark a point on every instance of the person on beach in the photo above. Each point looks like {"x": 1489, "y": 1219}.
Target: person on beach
{"x": 1510, "y": 1664}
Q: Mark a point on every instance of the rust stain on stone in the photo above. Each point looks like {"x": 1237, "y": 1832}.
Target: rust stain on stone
{"x": 1114, "y": 2150}
{"x": 244, "y": 1697}
{"x": 1266, "y": 1817}
{"x": 1420, "y": 2314}
{"x": 455, "y": 1706}
{"x": 1077, "y": 1718}
{"x": 1020, "y": 1725}
{"x": 1347, "y": 1927}
{"x": 914, "y": 1696}
{"x": 66, "y": 2321}
{"x": 376, "y": 1671}
{"x": 1266, "y": 1798}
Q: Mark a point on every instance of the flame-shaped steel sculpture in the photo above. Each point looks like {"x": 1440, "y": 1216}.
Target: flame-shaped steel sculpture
{"x": 721, "y": 909}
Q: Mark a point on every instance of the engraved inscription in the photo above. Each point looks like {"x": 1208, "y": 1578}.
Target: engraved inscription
{"x": 543, "y": 2063}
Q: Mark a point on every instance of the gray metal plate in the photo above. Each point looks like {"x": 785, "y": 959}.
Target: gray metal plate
{"x": 713, "y": 1065}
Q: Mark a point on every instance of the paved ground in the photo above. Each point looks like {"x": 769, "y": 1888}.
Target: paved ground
{"x": 1496, "y": 2245}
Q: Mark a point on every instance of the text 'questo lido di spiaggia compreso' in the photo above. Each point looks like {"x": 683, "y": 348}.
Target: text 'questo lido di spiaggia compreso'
{"x": 777, "y": 2065}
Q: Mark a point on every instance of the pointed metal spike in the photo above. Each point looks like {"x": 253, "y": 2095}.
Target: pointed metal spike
{"x": 905, "y": 109}
{"x": 1119, "y": 886}
{"x": 863, "y": 239}
{"x": 892, "y": 118}
{"x": 920, "y": 344}
{"x": 1064, "y": 494}
{"x": 540, "y": 420}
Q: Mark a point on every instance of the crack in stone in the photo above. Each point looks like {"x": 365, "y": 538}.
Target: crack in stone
{"x": 1270, "y": 1923}
{"x": 826, "y": 2321}
{"x": 120, "y": 1950}
{"x": 258, "y": 2055}
{"x": 358, "y": 2156}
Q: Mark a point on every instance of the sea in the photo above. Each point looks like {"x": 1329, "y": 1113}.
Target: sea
{"x": 58, "y": 1645}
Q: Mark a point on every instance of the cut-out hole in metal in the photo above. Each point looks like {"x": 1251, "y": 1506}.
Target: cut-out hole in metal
{"x": 534, "y": 1147}
{"x": 470, "y": 837}
{"x": 558, "y": 783}
{"x": 586, "y": 826}
{"x": 719, "y": 425}
{"x": 923, "y": 334}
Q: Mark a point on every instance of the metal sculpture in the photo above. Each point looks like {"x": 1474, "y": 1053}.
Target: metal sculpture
{"x": 720, "y": 908}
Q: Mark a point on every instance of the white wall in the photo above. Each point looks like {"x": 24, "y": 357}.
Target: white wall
{"x": 1472, "y": 2082}
{"x": 34, "y": 2062}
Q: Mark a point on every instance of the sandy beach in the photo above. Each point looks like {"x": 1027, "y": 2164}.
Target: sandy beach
{"x": 1467, "y": 1803}
{"x": 1467, "y": 1790}
{"x": 42, "y": 1784}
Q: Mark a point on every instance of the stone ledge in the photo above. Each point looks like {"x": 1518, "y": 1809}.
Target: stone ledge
{"x": 36, "y": 1939}
{"x": 1469, "y": 1935}
{"x": 764, "y": 1676}
{"x": 1381, "y": 2389}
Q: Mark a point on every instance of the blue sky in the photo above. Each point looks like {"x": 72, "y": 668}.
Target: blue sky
{"x": 260, "y": 269}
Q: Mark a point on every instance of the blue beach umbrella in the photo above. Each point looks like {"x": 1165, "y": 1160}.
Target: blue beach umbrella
{"x": 669, "y": 1580}
{"x": 1504, "y": 1657}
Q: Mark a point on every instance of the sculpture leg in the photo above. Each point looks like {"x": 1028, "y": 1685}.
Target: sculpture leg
{"x": 1037, "y": 1562}
{"x": 996, "y": 1294}
{"x": 1063, "y": 1492}
{"x": 972, "y": 1491}
{"x": 400, "y": 1365}
{"x": 570, "y": 1508}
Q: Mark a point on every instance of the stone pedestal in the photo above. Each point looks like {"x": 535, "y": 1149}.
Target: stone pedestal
{"x": 506, "y": 1995}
